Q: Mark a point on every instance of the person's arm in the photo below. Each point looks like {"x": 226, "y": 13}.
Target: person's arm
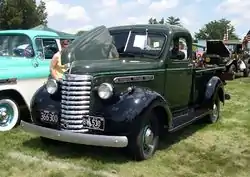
{"x": 53, "y": 64}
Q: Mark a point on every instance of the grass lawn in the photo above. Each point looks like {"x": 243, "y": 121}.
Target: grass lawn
{"x": 219, "y": 150}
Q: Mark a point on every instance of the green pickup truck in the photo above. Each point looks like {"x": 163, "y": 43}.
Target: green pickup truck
{"x": 25, "y": 57}
{"x": 126, "y": 86}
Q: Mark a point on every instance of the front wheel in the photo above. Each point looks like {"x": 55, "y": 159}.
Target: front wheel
{"x": 246, "y": 72}
{"x": 144, "y": 141}
{"x": 9, "y": 114}
{"x": 232, "y": 70}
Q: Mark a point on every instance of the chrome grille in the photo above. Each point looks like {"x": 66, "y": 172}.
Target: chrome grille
{"x": 75, "y": 102}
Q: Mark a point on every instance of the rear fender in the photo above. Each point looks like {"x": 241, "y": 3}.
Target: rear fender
{"x": 214, "y": 85}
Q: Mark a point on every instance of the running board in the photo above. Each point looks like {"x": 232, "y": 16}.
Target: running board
{"x": 187, "y": 119}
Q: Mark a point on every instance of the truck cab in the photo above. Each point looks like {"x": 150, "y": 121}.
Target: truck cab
{"x": 125, "y": 87}
{"x": 25, "y": 57}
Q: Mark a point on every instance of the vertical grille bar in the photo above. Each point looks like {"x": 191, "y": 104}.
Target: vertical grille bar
{"x": 75, "y": 102}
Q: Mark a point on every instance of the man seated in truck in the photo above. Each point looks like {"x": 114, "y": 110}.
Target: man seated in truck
{"x": 56, "y": 69}
{"x": 177, "y": 49}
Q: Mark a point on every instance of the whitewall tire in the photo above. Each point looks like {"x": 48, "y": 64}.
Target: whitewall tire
{"x": 9, "y": 114}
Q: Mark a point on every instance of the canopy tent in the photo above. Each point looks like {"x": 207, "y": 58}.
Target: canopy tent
{"x": 60, "y": 33}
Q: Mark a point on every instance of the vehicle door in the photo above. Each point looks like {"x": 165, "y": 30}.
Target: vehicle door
{"x": 178, "y": 85}
{"x": 45, "y": 49}
{"x": 148, "y": 45}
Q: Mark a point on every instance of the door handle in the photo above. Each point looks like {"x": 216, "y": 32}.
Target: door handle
{"x": 35, "y": 64}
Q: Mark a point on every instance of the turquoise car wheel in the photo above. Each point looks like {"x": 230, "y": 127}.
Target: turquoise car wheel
{"x": 9, "y": 114}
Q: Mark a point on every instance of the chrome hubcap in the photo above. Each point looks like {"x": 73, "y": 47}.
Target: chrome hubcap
{"x": 148, "y": 140}
{"x": 215, "y": 113}
{"x": 3, "y": 115}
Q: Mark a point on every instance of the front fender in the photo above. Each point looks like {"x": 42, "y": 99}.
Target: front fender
{"x": 131, "y": 105}
{"x": 43, "y": 100}
{"x": 213, "y": 86}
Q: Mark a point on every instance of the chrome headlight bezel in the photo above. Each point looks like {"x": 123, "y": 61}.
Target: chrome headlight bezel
{"x": 51, "y": 86}
{"x": 105, "y": 91}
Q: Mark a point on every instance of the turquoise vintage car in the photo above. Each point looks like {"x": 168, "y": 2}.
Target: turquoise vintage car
{"x": 25, "y": 57}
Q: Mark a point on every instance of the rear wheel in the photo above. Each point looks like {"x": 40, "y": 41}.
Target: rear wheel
{"x": 144, "y": 141}
{"x": 246, "y": 71}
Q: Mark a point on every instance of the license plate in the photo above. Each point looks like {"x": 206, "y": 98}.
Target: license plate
{"x": 48, "y": 117}
{"x": 95, "y": 123}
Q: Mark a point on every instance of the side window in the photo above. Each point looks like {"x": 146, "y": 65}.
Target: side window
{"x": 120, "y": 41}
{"x": 179, "y": 49}
{"x": 48, "y": 47}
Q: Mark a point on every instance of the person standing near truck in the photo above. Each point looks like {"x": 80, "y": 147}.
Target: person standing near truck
{"x": 56, "y": 69}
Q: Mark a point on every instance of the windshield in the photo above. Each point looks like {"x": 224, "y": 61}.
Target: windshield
{"x": 138, "y": 43}
{"x": 16, "y": 45}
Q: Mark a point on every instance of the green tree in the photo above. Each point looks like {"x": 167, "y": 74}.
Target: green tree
{"x": 152, "y": 21}
{"x": 162, "y": 21}
{"x": 42, "y": 14}
{"x": 170, "y": 20}
{"x": 173, "y": 20}
{"x": 216, "y": 30}
{"x": 22, "y": 14}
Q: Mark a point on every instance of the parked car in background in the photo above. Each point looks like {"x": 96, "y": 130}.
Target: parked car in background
{"x": 239, "y": 63}
{"x": 25, "y": 58}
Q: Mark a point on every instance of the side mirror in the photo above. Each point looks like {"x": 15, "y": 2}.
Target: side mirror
{"x": 40, "y": 55}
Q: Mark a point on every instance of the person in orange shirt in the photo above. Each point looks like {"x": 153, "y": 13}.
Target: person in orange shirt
{"x": 56, "y": 69}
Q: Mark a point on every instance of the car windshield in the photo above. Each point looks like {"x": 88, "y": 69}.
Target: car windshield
{"x": 16, "y": 45}
{"x": 138, "y": 43}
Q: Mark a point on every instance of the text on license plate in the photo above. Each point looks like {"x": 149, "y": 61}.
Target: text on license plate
{"x": 48, "y": 116}
{"x": 95, "y": 123}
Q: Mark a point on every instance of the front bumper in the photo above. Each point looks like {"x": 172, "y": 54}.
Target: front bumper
{"x": 78, "y": 138}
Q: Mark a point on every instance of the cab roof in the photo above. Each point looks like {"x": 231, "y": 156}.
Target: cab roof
{"x": 167, "y": 27}
{"x": 30, "y": 33}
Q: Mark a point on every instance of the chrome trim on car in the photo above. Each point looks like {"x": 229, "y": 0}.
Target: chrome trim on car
{"x": 78, "y": 138}
{"x": 75, "y": 102}
{"x": 126, "y": 79}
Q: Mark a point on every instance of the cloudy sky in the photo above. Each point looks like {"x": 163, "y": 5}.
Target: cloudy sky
{"x": 74, "y": 15}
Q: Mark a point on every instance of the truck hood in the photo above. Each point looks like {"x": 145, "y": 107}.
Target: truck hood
{"x": 112, "y": 65}
{"x": 96, "y": 44}
{"x": 217, "y": 47}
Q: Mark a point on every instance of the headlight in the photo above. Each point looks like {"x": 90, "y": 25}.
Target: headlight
{"x": 105, "y": 91}
{"x": 51, "y": 86}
